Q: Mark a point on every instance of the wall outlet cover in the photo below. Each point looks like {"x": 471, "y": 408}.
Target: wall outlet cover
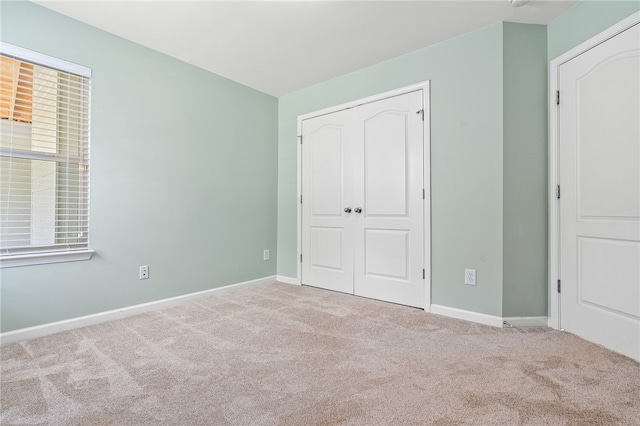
{"x": 470, "y": 276}
{"x": 144, "y": 272}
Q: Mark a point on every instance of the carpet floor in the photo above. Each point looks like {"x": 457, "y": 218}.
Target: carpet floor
{"x": 287, "y": 355}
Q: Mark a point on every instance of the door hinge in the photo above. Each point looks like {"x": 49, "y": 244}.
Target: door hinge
{"x": 424, "y": 194}
{"x": 421, "y": 112}
{"x": 557, "y": 97}
{"x": 300, "y": 258}
{"x": 559, "y": 286}
{"x": 300, "y": 198}
{"x": 300, "y": 137}
{"x": 423, "y": 274}
{"x": 558, "y": 192}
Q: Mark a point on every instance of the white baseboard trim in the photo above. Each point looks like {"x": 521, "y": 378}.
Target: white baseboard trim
{"x": 527, "y": 321}
{"x": 287, "y": 280}
{"x": 56, "y": 327}
{"x": 466, "y": 315}
{"x": 490, "y": 319}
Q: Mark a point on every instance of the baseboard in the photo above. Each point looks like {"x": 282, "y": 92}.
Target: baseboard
{"x": 489, "y": 319}
{"x": 466, "y": 315}
{"x": 526, "y": 321}
{"x": 287, "y": 280}
{"x": 56, "y": 327}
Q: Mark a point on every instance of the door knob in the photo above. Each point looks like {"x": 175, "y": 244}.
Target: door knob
{"x": 357, "y": 210}
{"x": 347, "y": 210}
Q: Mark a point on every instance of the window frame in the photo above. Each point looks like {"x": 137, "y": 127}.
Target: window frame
{"x": 35, "y": 255}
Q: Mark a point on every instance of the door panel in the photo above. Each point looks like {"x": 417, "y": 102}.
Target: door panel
{"x": 608, "y": 111}
{"x": 326, "y": 247}
{"x": 606, "y": 261}
{"x": 327, "y": 146}
{"x": 599, "y": 121}
{"x": 327, "y": 183}
{"x": 389, "y": 250}
{"x": 385, "y": 165}
{"x": 378, "y": 243}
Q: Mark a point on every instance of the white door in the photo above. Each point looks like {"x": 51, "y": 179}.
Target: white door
{"x": 389, "y": 249}
{"x": 599, "y": 124}
{"x": 362, "y": 205}
{"x": 327, "y": 182}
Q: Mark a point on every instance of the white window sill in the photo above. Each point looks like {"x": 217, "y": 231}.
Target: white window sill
{"x": 43, "y": 258}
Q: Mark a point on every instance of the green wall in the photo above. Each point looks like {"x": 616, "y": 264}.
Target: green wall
{"x": 585, "y": 20}
{"x": 525, "y": 170}
{"x": 183, "y": 178}
{"x": 466, "y": 159}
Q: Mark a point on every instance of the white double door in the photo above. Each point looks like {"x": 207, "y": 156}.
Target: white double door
{"x": 599, "y": 137}
{"x": 362, "y": 200}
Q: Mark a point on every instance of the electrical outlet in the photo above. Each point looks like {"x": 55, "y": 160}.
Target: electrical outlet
{"x": 470, "y": 276}
{"x": 265, "y": 255}
{"x": 144, "y": 272}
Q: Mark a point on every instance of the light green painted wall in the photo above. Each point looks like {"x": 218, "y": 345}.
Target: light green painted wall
{"x": 525, "y": 170}
{"x": 183, "y": 178}
{"x": 466, "y": 159}
{"x": 585, "y": 20}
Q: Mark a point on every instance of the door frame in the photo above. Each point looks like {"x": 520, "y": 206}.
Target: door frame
{"x": 425, "y": 87}
{"x": 554, "y": 158}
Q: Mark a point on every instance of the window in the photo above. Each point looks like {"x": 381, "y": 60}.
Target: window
{"x": 44, "y": 158}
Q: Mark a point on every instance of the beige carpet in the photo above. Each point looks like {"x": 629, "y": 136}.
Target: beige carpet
{"x": 282, "y": 354}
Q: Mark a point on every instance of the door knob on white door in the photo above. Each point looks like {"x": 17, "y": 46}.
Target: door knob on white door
{"x": 357, "y": 210}
{"x": 347, "y": 210}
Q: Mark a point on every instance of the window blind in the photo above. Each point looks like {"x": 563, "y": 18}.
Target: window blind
{"x": 44, "y": 153}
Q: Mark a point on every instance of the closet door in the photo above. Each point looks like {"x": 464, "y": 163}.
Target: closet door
{"x": 599, "y": 123}
{"x": 327, "y": 190}
{"x": 388, "y": 200}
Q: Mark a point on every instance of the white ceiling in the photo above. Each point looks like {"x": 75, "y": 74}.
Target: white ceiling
{"x": 279, "y": 47}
